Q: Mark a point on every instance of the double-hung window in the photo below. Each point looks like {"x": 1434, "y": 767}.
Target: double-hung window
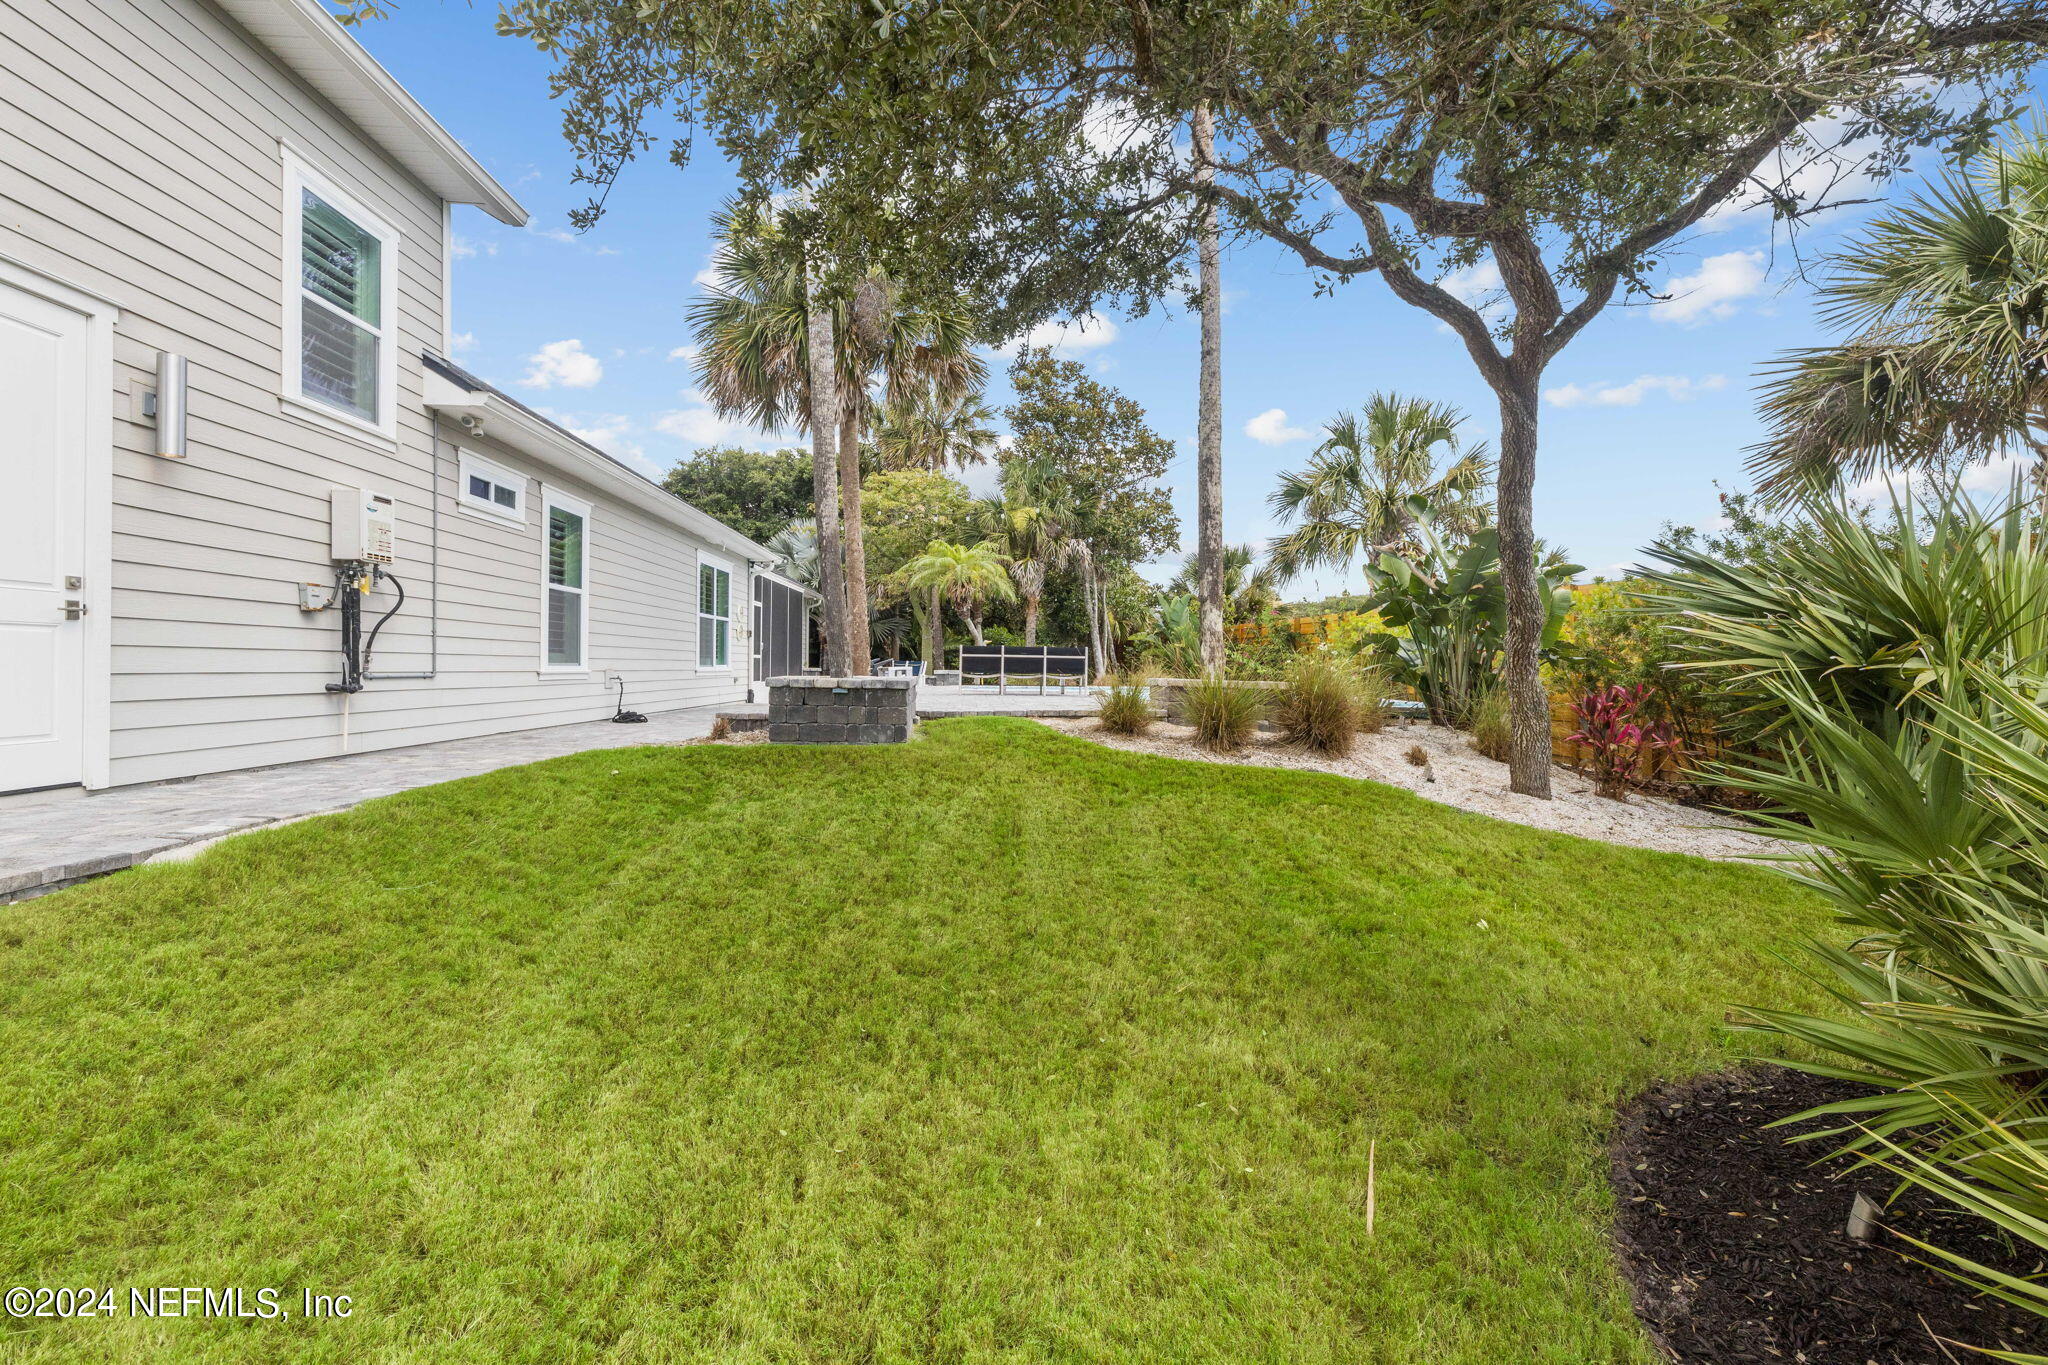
{"x": 565, "y": 565}
{"x": 714, "y": 613}
{"x": 340, "y": 268}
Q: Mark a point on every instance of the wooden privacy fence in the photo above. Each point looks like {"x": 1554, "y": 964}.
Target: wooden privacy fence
{"x": 1316, "y": 628}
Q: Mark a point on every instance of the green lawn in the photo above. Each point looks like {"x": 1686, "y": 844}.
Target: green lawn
{"x": 1000, "y": 1046}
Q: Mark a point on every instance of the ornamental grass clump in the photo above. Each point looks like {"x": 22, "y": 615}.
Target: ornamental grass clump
{"x": 1317, "y": 704}
{"x": 1126, "y": 706}
{"x": 1374, "y": 696}
{"x": 1491, "y": 725}
{"x": 1225, "y": 714}
{"x": 1613, "y": 729}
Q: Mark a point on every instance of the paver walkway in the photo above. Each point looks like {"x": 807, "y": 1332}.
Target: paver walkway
{"x": 48, "y": 842}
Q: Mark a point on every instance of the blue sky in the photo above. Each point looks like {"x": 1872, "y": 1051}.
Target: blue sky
{"x": 1643, "y": 414}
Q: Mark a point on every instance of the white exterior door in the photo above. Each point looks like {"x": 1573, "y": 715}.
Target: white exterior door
{"x": 44, "y": 397}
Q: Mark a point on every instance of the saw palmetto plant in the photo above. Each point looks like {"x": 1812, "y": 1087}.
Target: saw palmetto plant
{"x": 1901, "y": 682}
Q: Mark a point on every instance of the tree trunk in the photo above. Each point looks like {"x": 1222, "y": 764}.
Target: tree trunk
{"x": 1209, "y": 427}
{"x": 1088, "y": 599}
{"x": 856, "y": 547}
{"x": 935, "y": 634}
{"x": 973, "y": 629}
{"x": 1030, "y": 618}
{"x": 1528, "y": 706}
{"x": 824, "y": 418}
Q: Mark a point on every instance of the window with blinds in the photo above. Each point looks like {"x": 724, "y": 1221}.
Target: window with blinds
{"x": 714, "y": 615}
{"x": 565, "y": 553}
{"x": 341, "y": 259}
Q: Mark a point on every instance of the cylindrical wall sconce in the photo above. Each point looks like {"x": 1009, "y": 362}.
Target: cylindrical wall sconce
{"x": 170, "y": 405}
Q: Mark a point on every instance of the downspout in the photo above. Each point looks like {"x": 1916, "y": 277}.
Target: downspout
{"x": 434, "y": 577}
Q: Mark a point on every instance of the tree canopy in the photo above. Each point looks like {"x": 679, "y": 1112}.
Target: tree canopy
{"x": 756, "y": 492}
{"x": 906, "y": 511}
{"x": 1086, "y": 454}
{"x": 1030, "y": 156}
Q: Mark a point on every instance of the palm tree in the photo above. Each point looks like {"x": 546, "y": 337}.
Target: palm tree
{"x": 968, "y": 575}
{"x": 1071, "y": 536}
{"x": 1250, "y": 589}
{"x": 1025, "y": 535}
{"x": 1352, "y": 501}
{"x": 931, "y": 429}
{"x": 1209, "y": 425}
{"x": 755, "y": 333}
{"x": 753, "y": 328}
{"x": 1948, "y": 354}
{"x": 796, "y": 552}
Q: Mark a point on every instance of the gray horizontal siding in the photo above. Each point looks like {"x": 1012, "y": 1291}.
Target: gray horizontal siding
{"x": 140, "y": 157}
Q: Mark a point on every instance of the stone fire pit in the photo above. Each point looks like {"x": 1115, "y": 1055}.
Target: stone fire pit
{"x": 811, "y": 710}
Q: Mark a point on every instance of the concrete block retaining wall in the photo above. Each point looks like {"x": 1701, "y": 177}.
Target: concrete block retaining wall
{"x": 809, "y": 710}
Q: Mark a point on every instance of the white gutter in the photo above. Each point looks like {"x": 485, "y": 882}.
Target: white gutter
{"x": 308, "y": 40}
{"x": 546, "y": 444}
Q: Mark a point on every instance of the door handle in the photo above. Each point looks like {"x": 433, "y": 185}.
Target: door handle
{"x": 73, "y": 609}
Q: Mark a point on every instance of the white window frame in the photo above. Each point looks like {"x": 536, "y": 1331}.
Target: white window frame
{"x": 298, "y": 178}
{"x": 550, "y": 499}
{"x": 468, "y": 462}
{"x": 711, "y": 561}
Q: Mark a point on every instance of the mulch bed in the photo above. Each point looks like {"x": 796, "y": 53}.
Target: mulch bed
{"x": 1735, "y": 1244}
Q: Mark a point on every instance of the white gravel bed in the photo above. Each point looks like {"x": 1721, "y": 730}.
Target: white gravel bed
{"x": 1468, "y": 780}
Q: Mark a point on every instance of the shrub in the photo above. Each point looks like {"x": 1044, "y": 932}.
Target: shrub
{"x": 1612, "y": 726}
{"x": 1224, "y": 714}
{"x": 1491, "y": 724}
{"x": 1317, "y": 704}
{"x": 1417, "y": 756}
{"x": 1264, "y": 656}
{"x": 1125, "y": 709}
{"x": 1448, "y": 611}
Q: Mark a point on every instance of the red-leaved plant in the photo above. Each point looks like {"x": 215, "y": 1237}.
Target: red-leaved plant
{"x": 1611, "y": 724}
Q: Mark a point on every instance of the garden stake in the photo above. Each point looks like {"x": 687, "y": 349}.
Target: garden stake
{"x": 1372, "y": 1152}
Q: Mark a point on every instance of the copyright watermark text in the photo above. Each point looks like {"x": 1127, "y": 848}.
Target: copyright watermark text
{"x": 171, "y": 1301}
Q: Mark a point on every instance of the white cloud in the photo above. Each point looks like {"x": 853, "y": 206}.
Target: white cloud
{"x": 563, "y": 363}
{"x": 1270, "y": 428}
{"x": 1992, "y": 476}
{"x": 1680, "y": 388}
{"x": 1065, "y": 338}
{"x": 701, "y": 425}
{"x": 687, "y": 353}
{"x": 462, "y": 248}
{"x": 1816, "y": 166}
{"x": 1711, "y": 291}
{"x": 462, "y": 341}
{"x": 610, "y": 432}
{"x": 1479, "y": 285}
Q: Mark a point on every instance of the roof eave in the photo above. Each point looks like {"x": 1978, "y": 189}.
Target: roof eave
{"x": 308, "y": 40}
{"x": 533, "y": 436}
